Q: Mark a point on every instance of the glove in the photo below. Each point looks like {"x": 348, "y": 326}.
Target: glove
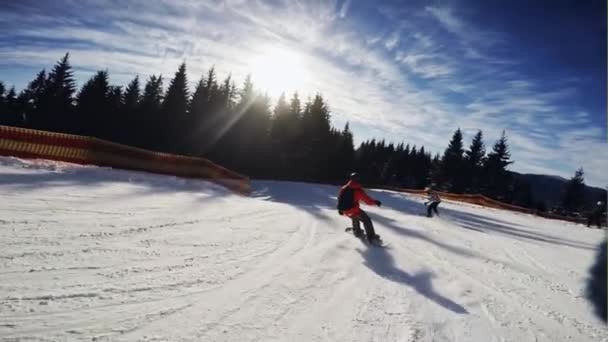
{"x": 340, "y": 212}
{"x": 378, "y": 203}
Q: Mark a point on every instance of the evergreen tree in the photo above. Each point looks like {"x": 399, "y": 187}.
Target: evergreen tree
{"x": 422, "y": 169}
{"x": 200, "y": 124}
{"x": 316, "y": 138}
{"x": 474, "y": 160}
{"x": 343, "y": 158}
{"x": 250, "y": 133}
{"x": 30, "y": 99}
{"x": 220, "y": 104}
{"x": 574, "y": 196}
{"x": 57, "y": 100}
{"x": 435, "y": 170}
{"x": 280, "y": 133}
{"x": 9, "y": 109}
{"x": 174, "y": 113}
{"x": 129, "y": 113}
{"x": 132, "y": 96}
{"x": 93, "y": 106}
{"x": 117, "y": 126}
{"x": 347, "y": 150}
{"x": 280, "y": 118}
{"x": 496, "y": 178}
{"x": 149, "y": 118}
{"x": 297, "y": 154}
{"x": 452, "y": 173}
{"x": 2, "y": 109}
{"x": 236, "y": 129}
{"x": 227, "y": 93}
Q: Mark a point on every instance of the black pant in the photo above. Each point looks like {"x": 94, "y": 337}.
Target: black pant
{"x": 432, "y": 207}
{"x": 367, "y": 224}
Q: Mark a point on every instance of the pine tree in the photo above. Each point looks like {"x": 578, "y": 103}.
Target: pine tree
{"x": 199, "y": 122}
{"x": 250, "y": 132}
{"x": 316, "y": 138}
{"x": 280, "y": 118}
{"x": 9, "y": 109}
{"x": 149, "y": 118}
{"x": 435, "y": 171}
{"x": 129, "y": 113}
{"x": 227, "y": 93}
{"x": 574, "y": 196}
{"x": 92, "y": 111}
{"x": 295, "y": 107}
{"x": 221, "y": 101}
{"x": 56, "y": 108}
{"x": 452, "y": 173}
{"x": 422, "y": 169}
{"x": 221, "y": 118}
{"x": 132, "y": 96}
{"x": 2, "y": 109}
{"x": 279, "y": 135}
{"x": 344, "y": 159}
{"x": 174, "y": 113}
{"x": 474, "y": 160}
{"x": 496, "y": 178}
{"x": 30, "y": 99}
{"x": 117, "y": 125}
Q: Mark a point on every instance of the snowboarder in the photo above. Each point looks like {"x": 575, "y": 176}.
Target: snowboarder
{"x": 432, "y": 203}
{"x": 596, "y": 215}
{"x": 348, "y": 204}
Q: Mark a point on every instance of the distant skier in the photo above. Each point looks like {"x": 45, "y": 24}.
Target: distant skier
{"x": 348, "y": 204}
{"x": 432, "y": 202}
{"x": 596, "y": 215}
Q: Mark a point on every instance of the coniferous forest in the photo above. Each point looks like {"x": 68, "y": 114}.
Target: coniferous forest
{"x": 239, "y": 128}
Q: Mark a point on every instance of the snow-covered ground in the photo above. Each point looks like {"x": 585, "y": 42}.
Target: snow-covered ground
{"x": 89, "y": 253}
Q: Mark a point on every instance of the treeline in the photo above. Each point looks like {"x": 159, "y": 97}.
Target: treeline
{"x": 236, "y": 127}
{"x": 239, "y": 128}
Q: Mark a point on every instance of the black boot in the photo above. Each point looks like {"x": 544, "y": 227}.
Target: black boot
{"x": 358, "y": 232}
{"x": 373, "y": 238}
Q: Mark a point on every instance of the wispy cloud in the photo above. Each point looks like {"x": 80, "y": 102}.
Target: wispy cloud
{"x": 344, "y": 9}
{"x": 445, "y": 16}
{"x": 400, "y": 80}
{"x": 392, "y": 41}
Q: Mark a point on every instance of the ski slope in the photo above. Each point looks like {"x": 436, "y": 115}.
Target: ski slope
{"x": 90, "y": 253}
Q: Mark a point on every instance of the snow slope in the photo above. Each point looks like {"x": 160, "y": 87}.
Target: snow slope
{"x": 90, "y": 253}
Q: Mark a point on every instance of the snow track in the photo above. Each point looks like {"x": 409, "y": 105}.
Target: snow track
{"x": 96, "y": 254}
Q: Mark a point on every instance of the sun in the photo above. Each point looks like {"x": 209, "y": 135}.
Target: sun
{"x": 278, "y": 70}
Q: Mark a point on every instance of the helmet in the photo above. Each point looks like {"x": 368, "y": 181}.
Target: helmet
{"x": 354, "y": 176}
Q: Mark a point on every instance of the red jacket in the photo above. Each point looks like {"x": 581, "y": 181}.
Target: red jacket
{"x": 359, "y": 195}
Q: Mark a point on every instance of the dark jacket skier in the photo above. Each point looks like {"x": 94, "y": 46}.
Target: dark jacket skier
{"x": 596, "y": 215}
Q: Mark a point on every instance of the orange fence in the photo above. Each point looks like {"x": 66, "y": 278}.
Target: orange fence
{"x": 491, "y": 203}
{"x": 28, "y": 143}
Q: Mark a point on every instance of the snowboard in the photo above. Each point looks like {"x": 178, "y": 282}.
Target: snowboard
{"x": 376, "y": 243}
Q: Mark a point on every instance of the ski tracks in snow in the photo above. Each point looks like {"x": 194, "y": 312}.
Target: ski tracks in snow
{"x": 151, "y": 258}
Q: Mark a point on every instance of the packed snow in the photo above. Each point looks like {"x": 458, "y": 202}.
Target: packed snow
{"x": 90, "y": 253}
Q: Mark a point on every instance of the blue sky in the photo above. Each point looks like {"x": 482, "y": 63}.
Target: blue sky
{"x": 409, "y": 71}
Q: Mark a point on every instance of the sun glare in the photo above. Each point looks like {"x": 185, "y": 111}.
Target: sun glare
{"x": 278, "y": 70}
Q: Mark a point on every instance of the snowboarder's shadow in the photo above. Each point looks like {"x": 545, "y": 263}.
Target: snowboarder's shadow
{"x": 381, "y": 262}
